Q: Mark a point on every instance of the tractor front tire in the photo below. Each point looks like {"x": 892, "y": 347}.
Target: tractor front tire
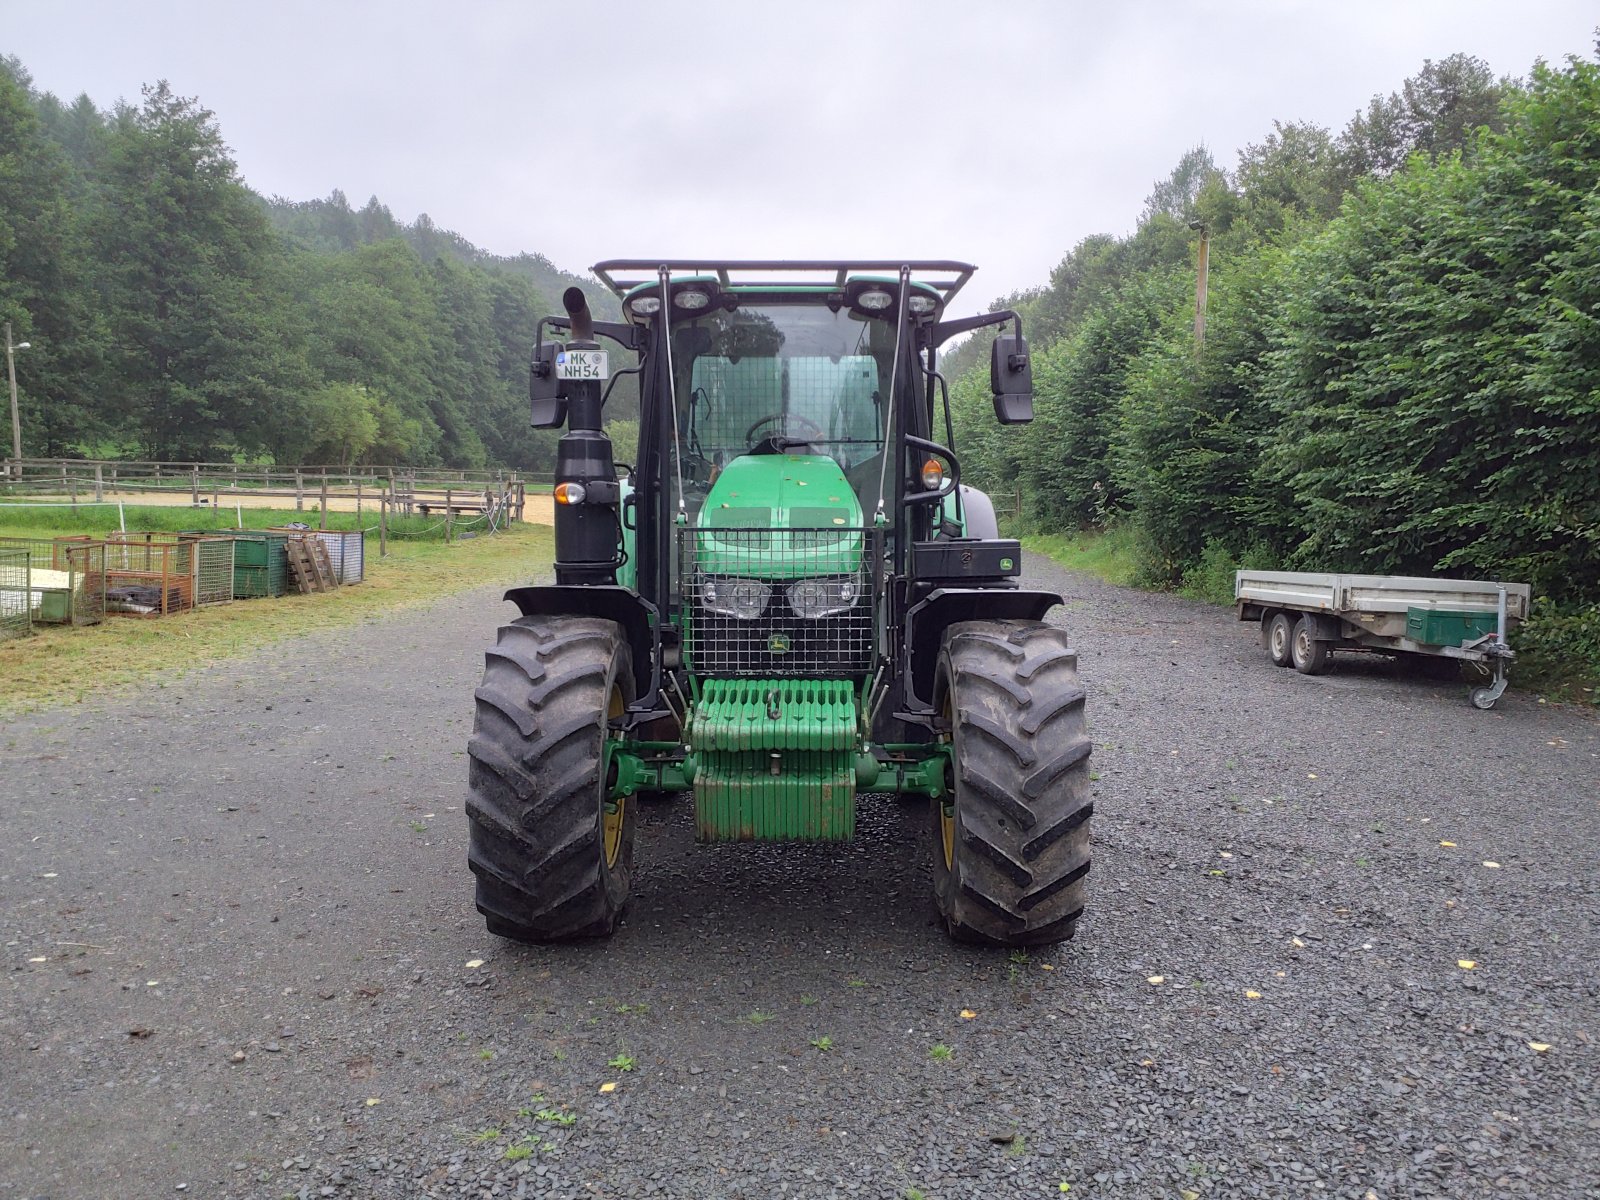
{"x": 554, "y": 859}
{"x": 1011, "y": 853}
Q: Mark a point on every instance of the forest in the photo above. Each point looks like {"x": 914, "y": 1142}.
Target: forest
{"x": 1400, "y": 370}
{"x": 173, "y": 313}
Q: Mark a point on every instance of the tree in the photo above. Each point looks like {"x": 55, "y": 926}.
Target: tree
{"x": 187, "y": 280}
{"x": 43, "y": 279}
{"x": 1437, "y": 110}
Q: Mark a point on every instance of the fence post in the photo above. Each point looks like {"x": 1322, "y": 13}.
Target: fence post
{"x": 358, "y": 502}
{"x": 99, "y": 483}
{"x": 299, "y": 492}
{"x": 324, "y": 520}
{"x": 74, "y": 488}
{"x": 194, "y": 485}
{"x": 383, "y": 527}
{"x": 449, "y": 511}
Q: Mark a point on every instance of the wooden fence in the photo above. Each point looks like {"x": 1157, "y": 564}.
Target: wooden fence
{"x": 387, "y": 491}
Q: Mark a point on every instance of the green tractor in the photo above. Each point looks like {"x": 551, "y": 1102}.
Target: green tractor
{"x": 787, "y": 600}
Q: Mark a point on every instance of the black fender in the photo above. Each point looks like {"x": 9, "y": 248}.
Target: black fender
{"x": 627, "y": 608}
{"x": 927, "y": 620}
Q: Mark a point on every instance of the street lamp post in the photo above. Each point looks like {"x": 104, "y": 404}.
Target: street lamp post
{"x": 16, "y": 419}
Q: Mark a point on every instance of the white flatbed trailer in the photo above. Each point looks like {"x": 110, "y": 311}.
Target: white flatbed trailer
{"x": 1306, "y": 615}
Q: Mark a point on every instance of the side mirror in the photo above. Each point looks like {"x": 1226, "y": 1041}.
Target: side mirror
{"x": 544, "y": 389}
{"x": 1011, "y": 380}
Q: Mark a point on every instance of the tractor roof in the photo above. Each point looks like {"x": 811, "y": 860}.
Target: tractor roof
{"x": 623, "y": 275}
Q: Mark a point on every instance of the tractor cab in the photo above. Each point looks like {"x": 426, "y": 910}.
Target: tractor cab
{"x": 790, "y": 602}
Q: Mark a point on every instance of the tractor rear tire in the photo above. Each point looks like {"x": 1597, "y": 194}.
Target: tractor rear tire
{"x": 554, "y": 862}
{"x": 1011, "y": 857}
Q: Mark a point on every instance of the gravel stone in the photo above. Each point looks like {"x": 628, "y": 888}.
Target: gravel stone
{"x": 279, "y": 841}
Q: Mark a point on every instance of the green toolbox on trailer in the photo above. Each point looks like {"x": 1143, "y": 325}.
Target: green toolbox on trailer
{"x": 1448, "y": 627}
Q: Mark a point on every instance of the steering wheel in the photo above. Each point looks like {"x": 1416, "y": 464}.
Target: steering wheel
{"x": 802, "y": 424}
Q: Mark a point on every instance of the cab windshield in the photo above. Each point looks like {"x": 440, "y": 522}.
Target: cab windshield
{"x": 781, "y": 379}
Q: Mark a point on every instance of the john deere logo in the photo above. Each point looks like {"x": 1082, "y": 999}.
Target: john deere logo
{"x": 778, "y": 643}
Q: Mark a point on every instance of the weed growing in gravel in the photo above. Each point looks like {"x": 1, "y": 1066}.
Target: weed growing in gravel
{"x": 940, "y": 1052}
{"x": 756, "y": 1017}
{"x": 822, "y": 1043}
{"x": 1017, "y": 1146}
{"x": 913, "y": 1193}
{"x": 486, "y": 1055}
{"x": 419, "y": 827}
{"x": 518, "y": 1153}
{"x": 484, "y": 1135}
{"x": 555, "y": 1116}
{"x": 559, "y": 1054}
{"x": 856, "y": 983}
{"x": 633, "y": 1009}
{"x": 622, "y": 1062}
{"x": 808, "y": 1001}
{"x": 1020, "y": 957}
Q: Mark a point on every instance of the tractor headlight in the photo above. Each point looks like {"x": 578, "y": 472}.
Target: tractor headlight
{"x": 825, "y": 596}
{"x": 745, "y": 599}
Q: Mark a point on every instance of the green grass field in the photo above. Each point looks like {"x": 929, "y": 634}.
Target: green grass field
{"x": 20, "y": 520}
{"x": 66, "y": 665}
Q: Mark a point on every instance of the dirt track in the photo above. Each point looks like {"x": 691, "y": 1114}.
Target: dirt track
{"x": 241, "y": 954}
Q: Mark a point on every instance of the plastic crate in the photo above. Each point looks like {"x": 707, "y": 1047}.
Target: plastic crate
{"x": 1447, "y": 626}
{"x": 260, "y": 563}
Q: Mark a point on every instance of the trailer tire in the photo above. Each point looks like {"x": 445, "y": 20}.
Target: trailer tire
{"x": 1011, "y": 850}
{"x": 1277, "y": 634}
{"x": 554, "y": 862}
{"x": 1310, "y": 655}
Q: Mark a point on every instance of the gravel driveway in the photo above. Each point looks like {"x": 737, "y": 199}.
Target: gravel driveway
{"x": 241, "y": 958}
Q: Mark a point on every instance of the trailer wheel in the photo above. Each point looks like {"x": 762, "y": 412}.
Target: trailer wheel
{"x": 1483, "y": 698}
{"x": 553, "y": 857}
{"x": 1011, "y": 846}
{"x": 1278, "y": 634}
{"x": 1310, "y": 655}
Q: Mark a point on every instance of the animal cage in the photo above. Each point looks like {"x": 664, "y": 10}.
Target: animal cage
{"x": 149, "y": 578}
{"x": 16, "y": 608}
{"x": 67, "y": 578}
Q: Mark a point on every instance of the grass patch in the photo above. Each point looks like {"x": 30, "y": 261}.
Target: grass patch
{"x": 1111, "y": 554}
{"x": 65, "y": 665}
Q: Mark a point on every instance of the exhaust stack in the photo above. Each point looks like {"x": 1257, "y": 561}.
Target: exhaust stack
{"x": 588, "y": 528}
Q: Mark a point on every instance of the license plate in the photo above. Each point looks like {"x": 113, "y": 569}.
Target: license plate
{"x": 582, "y": 364}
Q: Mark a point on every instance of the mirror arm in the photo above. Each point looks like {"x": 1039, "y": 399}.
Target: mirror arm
{"x": 945, "y": 330}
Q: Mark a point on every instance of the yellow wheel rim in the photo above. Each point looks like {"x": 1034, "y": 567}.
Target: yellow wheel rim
{"x": 613, "y": 813}
{"x": 947, "y": 812}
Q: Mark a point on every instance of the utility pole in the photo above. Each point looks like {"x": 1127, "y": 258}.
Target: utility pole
{"x": 1200, "y": 286}
{"x": 16, "y": 419}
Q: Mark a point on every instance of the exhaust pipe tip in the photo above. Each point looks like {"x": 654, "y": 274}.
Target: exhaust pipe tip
{"x": 577, "y": 306}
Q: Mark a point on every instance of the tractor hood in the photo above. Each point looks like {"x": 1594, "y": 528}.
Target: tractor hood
{"x": 780, "y": 516}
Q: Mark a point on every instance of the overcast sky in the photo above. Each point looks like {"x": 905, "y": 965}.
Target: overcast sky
{"x": 999, "y": 133}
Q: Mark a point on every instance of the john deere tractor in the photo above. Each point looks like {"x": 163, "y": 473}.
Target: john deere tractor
{"x": 786, "y": 601}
